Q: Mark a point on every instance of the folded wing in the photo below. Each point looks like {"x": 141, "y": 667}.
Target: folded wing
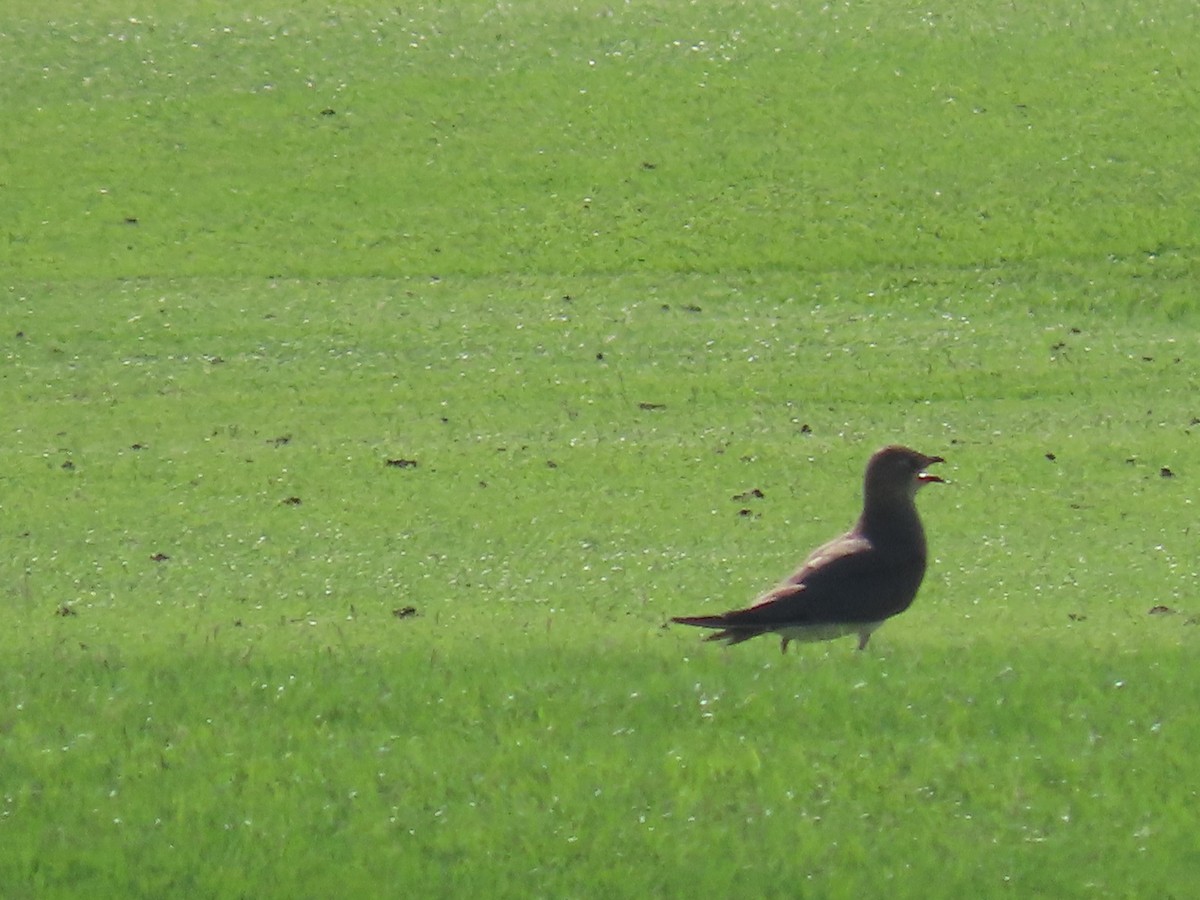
{"x": 847, "y": 580}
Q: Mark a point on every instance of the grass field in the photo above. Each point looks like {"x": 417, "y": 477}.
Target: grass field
{"x": 379, "y": 381}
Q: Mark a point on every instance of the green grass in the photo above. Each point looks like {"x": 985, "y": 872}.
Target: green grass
{"x": 478, "y": 139}
{"x": 596, "y": 273}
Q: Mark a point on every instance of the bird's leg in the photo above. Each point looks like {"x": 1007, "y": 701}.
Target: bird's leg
{"x": 863, "y": 637}
{"x": 783, "y": 642}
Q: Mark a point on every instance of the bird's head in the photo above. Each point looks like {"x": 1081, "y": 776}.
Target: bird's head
{"x": 897, "y": 471}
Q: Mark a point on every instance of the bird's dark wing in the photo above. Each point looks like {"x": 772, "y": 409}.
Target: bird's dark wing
{"x": 847, "y": 580}
{"x": 851, "y": 544}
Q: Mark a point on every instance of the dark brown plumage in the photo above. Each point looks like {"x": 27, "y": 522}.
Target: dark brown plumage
{"x": 852, "y": 584}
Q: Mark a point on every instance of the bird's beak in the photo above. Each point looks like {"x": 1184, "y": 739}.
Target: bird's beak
{"x": 927, "y": 478}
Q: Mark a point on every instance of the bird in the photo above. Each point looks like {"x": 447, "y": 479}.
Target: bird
{"x": 855, "y": 582}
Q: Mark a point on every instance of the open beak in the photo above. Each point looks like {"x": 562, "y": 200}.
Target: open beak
{"x": 926, "y": 477}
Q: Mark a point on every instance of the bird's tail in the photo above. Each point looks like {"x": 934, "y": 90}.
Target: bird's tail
{"x": 731, "y": 632}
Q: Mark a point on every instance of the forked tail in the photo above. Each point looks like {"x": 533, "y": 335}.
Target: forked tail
{"x": 732, "y": 632}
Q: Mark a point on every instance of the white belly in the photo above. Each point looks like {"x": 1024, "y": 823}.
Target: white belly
{"x": 807, "y": 634}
